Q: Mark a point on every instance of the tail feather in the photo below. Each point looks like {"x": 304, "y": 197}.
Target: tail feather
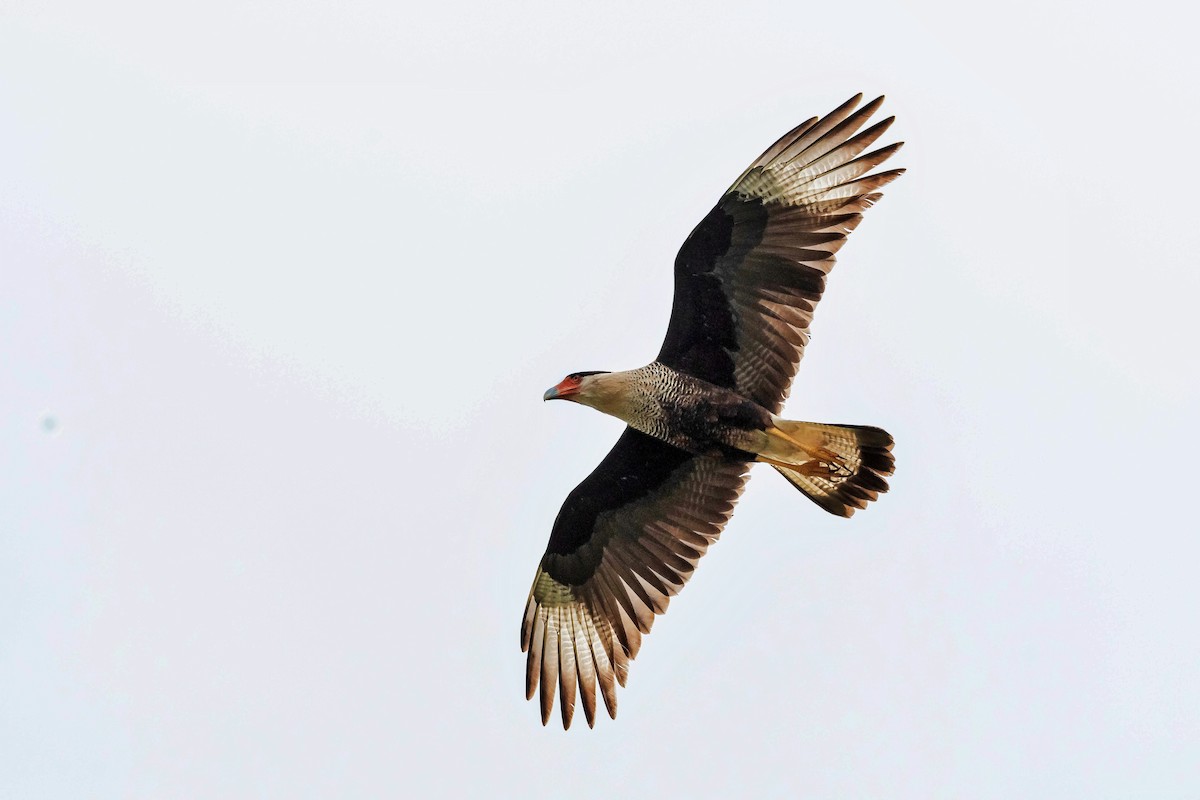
{"x": 841, "y": 468}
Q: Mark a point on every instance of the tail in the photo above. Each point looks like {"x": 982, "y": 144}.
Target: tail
{"x": 841, "y": 468}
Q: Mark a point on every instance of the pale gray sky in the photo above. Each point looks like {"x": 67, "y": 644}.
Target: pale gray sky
{"x": 281, "y": 285}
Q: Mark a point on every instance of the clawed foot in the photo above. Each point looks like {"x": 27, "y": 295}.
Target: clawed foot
{"x": 831, "y": 467}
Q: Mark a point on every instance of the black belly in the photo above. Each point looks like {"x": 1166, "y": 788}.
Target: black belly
{"x": 710, "y": 424}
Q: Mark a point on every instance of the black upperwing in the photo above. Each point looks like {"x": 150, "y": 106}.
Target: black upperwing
{"x": 749, "y": 276}
{"x": 625, "y": 541}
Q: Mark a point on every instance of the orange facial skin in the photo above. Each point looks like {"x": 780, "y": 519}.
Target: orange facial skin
{"x": 567, "y": 387}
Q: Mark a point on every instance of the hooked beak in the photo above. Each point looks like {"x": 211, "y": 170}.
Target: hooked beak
{"x": 564, "y": 390}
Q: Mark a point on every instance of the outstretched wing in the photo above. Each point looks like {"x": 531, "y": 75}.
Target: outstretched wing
{"x": 625, "y": 541}
{"x": 749, "y": 276}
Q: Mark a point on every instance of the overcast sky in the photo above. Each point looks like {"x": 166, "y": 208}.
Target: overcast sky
{"x": 281, "y": 286}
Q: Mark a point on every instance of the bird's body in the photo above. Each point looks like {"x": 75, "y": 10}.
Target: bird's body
{"x": 680, "y": 409}
{"x": 746, "y": 282}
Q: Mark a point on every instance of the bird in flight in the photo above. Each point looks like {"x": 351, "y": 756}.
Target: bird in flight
{"x": 746, "y": 282}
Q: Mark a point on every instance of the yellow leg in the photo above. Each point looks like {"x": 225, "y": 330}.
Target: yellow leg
{"x": 778, "y": 434}
{"x": 818, "y": 452}
{"x": 813, "y": 469}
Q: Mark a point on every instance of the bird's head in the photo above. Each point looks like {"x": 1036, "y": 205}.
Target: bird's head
{"x": 578, "y": 387}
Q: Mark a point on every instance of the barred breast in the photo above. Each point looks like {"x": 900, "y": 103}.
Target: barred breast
{"x": 694, "y": 415}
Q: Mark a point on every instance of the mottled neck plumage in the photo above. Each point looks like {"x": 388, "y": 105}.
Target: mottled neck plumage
{"x": 613, "y": 393}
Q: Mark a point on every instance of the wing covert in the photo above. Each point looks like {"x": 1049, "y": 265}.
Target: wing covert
{"x": 626, "y": 540}
{"x": 748, "y": 278}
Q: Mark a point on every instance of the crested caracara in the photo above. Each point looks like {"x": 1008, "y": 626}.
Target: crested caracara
{"x": 746, "y": 282}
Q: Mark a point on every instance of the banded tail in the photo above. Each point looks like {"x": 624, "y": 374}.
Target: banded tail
{"x": 841, "y": 468}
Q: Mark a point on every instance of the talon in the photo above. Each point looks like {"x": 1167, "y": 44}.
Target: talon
{"x": 815, "y": 469}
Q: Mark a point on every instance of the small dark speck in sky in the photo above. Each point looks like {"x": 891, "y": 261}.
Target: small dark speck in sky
{"x": 49, "y": 423}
